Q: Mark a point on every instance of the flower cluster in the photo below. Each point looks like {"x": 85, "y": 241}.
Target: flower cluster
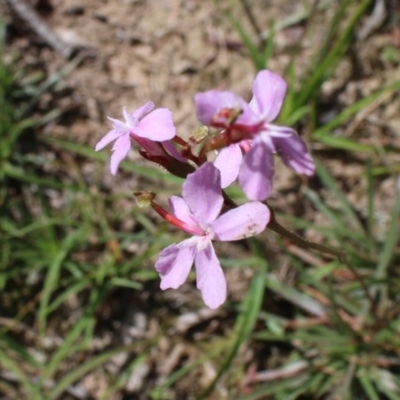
{"x": 253, "y": 135}
{"x": 246, "y": 140}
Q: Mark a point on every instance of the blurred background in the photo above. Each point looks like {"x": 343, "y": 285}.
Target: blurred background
{"x": 81, "y": 312}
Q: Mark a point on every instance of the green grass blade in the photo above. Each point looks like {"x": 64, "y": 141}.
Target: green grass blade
{"x": 332, "y": 32}
{"x": 71, "y": 290}
{"x": 244, "y": 324}
{"x": 24, "y": 176}
{"x": 346, "y": 144}
{"x": 370, "y": 208}
{"x": 123, "y": 376}
{"x": 11, "y": 366}
{"x": 251, "y": 47}
{"x": 65, "y": 348}
{"x": 387, "y": 254}
{"x": 148, "y": 172}
{"x": 368, "y": 386}
{"x": 50, "y": 83}
{"x": 353, "y": 109}
{"x": 274, "y": 388}
{"x": 312, "y": 86}
{"x": 11, "y": 344}
{"x": 127, "y": 283}
{"x": 299, "y": 299}
{"x": 85, "y": 368}
{"x": 324, "y": 209}
{"x": 347, "y": 209}
{"x": 269, "y": 47}
{"x": 157, "y": 392}
{"x": 391, "y": 239}
{"x": 52, "y": 277}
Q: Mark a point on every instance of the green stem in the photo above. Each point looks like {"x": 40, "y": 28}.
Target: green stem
{"x": 276, "y": 227}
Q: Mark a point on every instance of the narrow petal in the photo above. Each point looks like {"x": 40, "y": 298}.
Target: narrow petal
{"x": 171, "y": 149}
{"x": 174, "y": 265}
{"x": 279, "y": 131}
{"x": 269, "y": 90}
{"x": 119, "y": 125}
{"x": 129, "y": 118}
{"x": 181, "y": 210}
{"x": 256, "y": 172}
{"x": 294, "y": 153}
{"x": 247, "y": 220}
{"x": 210, "y": 277}
{"x": 110, "y": 137}
{"x": 143, "y": 110}
{"x": 157, "y": 125}
{"x": 266, "y": 138}
{"x": 150, "y": 146}
{"x": 246, "y": 145}
{"x": 202, "y": 192}
{"x": 121, "y": 148}
{"x": 228, "y": 162}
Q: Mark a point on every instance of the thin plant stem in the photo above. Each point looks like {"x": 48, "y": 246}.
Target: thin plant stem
{"x": 276, "y": 227}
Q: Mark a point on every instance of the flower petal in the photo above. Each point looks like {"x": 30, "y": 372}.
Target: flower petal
{"x": 210, "y": 277}
{"x": 294, "y": 153}
{"x": 181, "y": 210}
{"x": 150, "y": 146}
{"x": 256, "y": 172}
{"x": 210, "y": 103}
{"x": 228, "y": 162}
{"x": 157, "y": 125}
{"x": 247, "y": 220}
{"x": 120, "y": 150}
{"x": 202, "y": 192}
{"x": 269, "y": 90}
{"x": 131, "y": 121}
{"x": 107, "y": 139}
{"x": 171, "y": 149}
{"x": 174, "y": 265}
{"x": 119, "y": 125}
{"x": 143, "y": 110}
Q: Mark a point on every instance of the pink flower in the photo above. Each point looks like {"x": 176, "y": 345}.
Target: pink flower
{"x": 260, "y": 138}
{"x": 144, "y": 125}
{"x": 198, "y": 214}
